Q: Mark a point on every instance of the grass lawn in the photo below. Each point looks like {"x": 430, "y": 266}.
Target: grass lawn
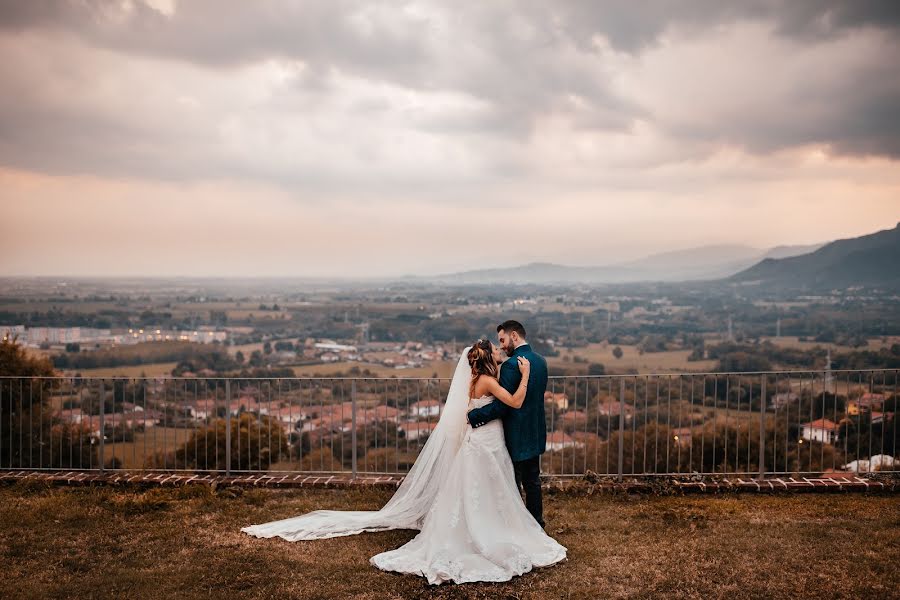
{"x": 178, "y": 543}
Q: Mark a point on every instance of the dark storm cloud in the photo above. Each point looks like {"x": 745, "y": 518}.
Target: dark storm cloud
{"x": 861, "y": 114}
{"x": 227, "y": 31}
{"x": 631, "y": 26}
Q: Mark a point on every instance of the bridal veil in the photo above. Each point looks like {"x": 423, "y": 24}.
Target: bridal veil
{"x": 409, "y": 505}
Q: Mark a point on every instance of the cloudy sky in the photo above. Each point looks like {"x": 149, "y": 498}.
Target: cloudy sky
{"x": 214, "y": 137}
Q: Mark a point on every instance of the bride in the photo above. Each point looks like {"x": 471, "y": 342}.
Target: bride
{"x": 461, "y": 493}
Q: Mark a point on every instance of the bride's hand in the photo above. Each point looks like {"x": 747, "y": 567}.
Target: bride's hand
{"x": 524, "y": 365}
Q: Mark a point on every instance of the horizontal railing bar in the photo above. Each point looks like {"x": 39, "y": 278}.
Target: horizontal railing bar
{"x": 396, "y": 378}
{"x": 751, "y": 474}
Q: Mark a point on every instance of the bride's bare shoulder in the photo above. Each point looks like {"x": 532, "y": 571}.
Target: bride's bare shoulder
{"x": 484, "y": 386}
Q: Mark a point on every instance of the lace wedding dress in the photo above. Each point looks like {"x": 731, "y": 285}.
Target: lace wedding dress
{"x": 478, "y": 529}
{"x": 460, "y": 493}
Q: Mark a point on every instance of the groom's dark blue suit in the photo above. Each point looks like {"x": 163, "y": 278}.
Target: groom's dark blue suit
{"x": 525, "y": 428}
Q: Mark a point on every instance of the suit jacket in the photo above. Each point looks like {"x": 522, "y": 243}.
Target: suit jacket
{"x": 525, "y": 428}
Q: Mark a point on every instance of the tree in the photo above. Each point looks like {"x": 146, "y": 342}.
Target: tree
{"x": 28, "y": 420}
{"x": 257, "y": 442}
{"x": 239, "y": 357}
{"x": 596, "y": 369}
{"x": 743, "y": 362}
{"x": 387, "y": 460}
{"x": 617, "y": 352}
{"x": 321, "y": 459}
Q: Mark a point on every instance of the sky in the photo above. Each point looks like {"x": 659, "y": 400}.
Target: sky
{"x": 354, "y": 139}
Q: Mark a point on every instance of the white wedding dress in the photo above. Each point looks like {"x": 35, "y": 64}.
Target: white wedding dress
{"x": 460, "y": 492}
{"x": 479, "y": 528}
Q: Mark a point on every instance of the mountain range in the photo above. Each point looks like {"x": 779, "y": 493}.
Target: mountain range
{"x": 702, "y": 263}
{"x": 871, "y": 259}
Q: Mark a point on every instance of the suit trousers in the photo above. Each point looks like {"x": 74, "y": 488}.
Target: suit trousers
{"x": 528, "y": 476}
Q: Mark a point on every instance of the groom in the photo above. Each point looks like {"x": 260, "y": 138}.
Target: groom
{"x": 525, "y": 428}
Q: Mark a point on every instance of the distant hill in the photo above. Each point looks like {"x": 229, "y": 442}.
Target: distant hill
{"x": 704, "y": 262}
{"x": 537, "y": 273}
{"x": 872, "y": 259}
{"x": 701, "y": 263}
{"x": 786, "y": 251}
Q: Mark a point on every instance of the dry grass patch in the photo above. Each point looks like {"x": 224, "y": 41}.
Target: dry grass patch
{"x": 185, "y": 542}
{"x": 443, "y": 369}
{"x": 160, "y": 369}
{"x": 671, "y": 361}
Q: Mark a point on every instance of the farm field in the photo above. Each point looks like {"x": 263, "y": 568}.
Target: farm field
{"x": 150, "y": 370}
{"x": 673, "y": 361}
{"x": 875, "y": 343}
{"x": 442, "y": 368}
{"x": 132, "y": 454}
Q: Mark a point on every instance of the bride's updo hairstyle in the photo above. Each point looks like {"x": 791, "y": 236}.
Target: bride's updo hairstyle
{"x": 481, "y": 361}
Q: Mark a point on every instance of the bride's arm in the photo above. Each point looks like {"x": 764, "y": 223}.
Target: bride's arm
{"x": 514, "y": 400}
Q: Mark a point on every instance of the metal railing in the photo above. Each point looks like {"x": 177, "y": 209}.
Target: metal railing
{"x": 751, "y": 424}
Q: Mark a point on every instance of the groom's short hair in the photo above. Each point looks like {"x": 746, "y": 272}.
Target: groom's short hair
{"x": 510, "y": 326}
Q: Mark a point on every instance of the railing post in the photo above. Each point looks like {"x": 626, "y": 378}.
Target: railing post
{"x": 227, "y": 427}
{"x": 353, "y": 426}
{"x": 621, "y": 427}
{"x": 101, "y": 391}
{"x": 763, "y": 400}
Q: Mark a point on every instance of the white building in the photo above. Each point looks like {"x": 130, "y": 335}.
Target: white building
{"x": 820, "y": 430}
{"x": 558, "y": 440}
{"x": 135, "y": 336}
{"x": 10, "y": 331}
{"x": 559, "y": 399}
{"x": 329, "y": 346}
{"x": 425, "y": 408}
{"x": 289, "y": 416}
